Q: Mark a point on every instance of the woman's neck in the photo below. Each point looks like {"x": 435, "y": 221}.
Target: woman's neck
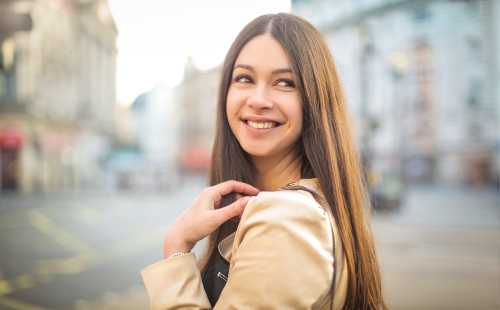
{"x": 272, "y": 174}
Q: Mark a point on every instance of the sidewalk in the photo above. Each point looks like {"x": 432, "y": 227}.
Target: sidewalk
{"x": 442, "y": 250}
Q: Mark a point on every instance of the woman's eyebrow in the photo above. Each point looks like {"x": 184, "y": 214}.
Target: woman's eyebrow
{"x": 279, "y": 71}
{"x": 250, "y": 68}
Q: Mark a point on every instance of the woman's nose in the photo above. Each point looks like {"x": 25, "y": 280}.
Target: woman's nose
{"x": 260, "y": 99}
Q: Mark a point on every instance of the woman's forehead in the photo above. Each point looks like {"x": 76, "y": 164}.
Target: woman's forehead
{"x": 262, "y": 52}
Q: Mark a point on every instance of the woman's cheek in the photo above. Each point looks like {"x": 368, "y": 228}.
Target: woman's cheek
{"x": 233, "y": 107}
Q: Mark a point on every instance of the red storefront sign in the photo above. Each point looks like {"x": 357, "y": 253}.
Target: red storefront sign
{"x": 195, "y": 157}
{"x": 11, "y": 139}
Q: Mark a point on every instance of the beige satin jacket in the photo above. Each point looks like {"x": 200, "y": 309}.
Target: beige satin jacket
{"x": 281, "y": 257}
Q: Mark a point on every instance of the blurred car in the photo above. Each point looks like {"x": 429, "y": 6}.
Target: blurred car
{"x": 132, "y": 171}
{"x": 386, "y": 192}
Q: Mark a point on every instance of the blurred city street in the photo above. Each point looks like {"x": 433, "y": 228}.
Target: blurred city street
{"x": 442, "y": 250}
{"x": 79, "y": 251}
{"x": 108, "y": 117}
{"x": 83, "y": 250}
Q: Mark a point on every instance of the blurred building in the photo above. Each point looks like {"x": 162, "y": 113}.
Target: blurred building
{"x": 57, "y": 93}
{"x": 151, "y": 163}
{"x": 156, "y": 119}
{"x": 197, "y": 97}
{"x": 423, "y": 77}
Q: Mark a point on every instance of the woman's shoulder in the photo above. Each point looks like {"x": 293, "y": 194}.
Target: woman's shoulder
{"x": 286, "y": 234}
{"x": 297, "y": 205}
{"x": 293, "y": 198}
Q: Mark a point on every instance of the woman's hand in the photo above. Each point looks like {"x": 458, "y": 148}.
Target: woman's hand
{"x": 202, "y": 217}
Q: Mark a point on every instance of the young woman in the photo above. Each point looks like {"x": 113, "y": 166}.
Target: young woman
{"x": 282, "y": 118}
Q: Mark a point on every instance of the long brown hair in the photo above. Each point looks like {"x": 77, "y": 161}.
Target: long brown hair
{"x": 326, "y": 147}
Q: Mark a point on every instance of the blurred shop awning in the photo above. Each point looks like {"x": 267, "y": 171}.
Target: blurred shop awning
{"x": 11, "y": 21}
{"x": 11, "y": 138}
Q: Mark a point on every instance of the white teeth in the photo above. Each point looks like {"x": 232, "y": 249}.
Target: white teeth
{"x": 261, "y": 125}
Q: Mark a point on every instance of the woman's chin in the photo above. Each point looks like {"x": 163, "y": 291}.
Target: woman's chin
{"x": 264, "y": 153}
{"x": 258, "y": 151}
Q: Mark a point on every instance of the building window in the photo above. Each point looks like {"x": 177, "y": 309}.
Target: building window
{"x": 424, "y": 71}
{"x": 475, "y": 90}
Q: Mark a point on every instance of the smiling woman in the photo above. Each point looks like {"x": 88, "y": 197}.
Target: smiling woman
{"x": 303, "y": 241}
{"x": 264, "y": 108}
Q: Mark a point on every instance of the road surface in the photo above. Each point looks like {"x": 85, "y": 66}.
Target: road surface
{"x": 83, "y": 251}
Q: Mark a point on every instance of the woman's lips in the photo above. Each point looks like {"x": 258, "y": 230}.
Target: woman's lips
{"x": 261, "y": 127}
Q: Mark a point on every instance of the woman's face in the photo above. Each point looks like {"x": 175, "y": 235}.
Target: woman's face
{"x": 263, "y": 106}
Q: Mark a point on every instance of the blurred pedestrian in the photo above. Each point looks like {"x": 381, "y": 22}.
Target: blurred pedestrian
{"x": 303, "y": 241}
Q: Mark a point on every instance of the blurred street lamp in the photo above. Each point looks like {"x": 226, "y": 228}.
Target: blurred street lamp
{"x": 7, "y": 50}
{"x": 399, "y": 61}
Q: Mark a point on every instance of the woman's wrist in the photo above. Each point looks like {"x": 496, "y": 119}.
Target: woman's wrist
{"x": 173, "y": 243}
{"x": 176, "y": 254}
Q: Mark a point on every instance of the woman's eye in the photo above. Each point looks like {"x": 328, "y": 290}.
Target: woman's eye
{"x": 243, "y": 79}
{"x": 285, "y": 83}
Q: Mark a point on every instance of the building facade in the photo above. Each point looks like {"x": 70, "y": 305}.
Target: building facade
{"x": 422, "y": 77}
{"x": 57, "y": 95}
{"x": 197, "y": 99}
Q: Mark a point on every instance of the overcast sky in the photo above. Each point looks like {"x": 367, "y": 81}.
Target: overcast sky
{"x": 156, "y": 36}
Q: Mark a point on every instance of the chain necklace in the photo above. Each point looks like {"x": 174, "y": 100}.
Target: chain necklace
{"x": 291, "y": 183}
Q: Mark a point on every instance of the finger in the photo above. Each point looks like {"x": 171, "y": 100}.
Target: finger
{"x": 237, "y": 197}
{"x": 234, "y": 186}
{"x": 238, "y": 217}
{"x": 217, "y": 191}
{"x": 232, "y": 210}
{"x": 218, "y": 199}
